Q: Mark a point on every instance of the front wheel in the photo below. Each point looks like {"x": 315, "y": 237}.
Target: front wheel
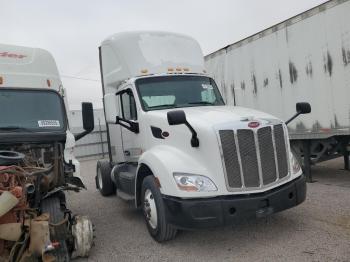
{"x": 154, "y": 212}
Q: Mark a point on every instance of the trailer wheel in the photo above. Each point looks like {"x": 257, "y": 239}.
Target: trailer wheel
{"x": 58, "y": 233}
{"x": 154, "y": 212}
{"x": 103, "y": 178}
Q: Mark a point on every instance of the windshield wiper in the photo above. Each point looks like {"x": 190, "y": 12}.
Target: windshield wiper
{"x": 164, "y": 105}
{"x": 201, "y": 103}
{"x": 12, "y": 128}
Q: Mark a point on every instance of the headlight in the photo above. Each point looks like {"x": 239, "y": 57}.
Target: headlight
{"x": 295, "y": 165}
{"x": 194, "y": 183}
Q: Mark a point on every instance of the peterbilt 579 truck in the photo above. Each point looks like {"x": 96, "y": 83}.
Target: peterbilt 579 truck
{"x": 37, "y": 163}
{"x": 177, "y": 151}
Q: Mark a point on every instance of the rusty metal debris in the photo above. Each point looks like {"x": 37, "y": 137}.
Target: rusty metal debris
{"x": 35, "y": 224}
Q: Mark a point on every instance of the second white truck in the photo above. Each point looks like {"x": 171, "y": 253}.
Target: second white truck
{"x": 177, "y": 151}
{"x": 37, "y": 162}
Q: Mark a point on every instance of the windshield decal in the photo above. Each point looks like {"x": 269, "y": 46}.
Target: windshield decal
{"x": 207, "y": 86}
{"x": 49, "y": 123}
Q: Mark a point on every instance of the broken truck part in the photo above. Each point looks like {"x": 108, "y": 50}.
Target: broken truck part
{"x": 37, "y": 163}
{"x": 177, "y": 151}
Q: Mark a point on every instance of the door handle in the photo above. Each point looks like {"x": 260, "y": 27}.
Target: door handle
{"x": 127, "y": 152}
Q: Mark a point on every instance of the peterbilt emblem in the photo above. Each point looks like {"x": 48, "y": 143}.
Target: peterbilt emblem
{"x": 253, "y": 124}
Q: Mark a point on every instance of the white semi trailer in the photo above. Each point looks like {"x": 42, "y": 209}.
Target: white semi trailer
{"x": 305, "y": 58}
{"x": 177, "y": 151}
{"x": 37, "y": 163}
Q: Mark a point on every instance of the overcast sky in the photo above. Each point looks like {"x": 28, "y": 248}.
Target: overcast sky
{"x": 73, "y": 30}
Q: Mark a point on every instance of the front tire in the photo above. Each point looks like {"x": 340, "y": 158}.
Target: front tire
{"x": 104, "y": 181}
{"x": 154, "y": 212}
{"x": 54, "y": 207}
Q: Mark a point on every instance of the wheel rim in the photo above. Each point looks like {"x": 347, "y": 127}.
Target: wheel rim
{"x": 99, "y": 178}
{"x": 150, "y": 209}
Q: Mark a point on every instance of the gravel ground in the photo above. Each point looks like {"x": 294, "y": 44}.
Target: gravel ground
{"x": 317, "y": 230}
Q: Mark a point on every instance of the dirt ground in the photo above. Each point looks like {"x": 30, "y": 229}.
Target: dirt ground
{"x": 317, "y": 230}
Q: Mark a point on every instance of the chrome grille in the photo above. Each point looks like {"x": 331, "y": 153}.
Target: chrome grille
{"x": 267, "y": 155}
{"x": 254, "y": 157}
{"x": 281, "y": 151}
{"x": 231, "y": 158}
{"x": 249, "y": 158}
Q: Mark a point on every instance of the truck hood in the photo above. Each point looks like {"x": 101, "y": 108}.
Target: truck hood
{"x": 205, "y": 116}
{"x": 207, "y": 121}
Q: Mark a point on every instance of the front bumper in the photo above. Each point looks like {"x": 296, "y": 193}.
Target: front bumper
{"x": 226, "y": 210}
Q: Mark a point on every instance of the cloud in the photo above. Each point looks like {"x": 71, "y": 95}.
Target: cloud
{"x": 73, "y": 30}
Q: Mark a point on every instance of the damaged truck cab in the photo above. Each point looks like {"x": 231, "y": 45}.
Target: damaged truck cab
{"x": 177, "y": 151}
{"x": 37, "y": 163}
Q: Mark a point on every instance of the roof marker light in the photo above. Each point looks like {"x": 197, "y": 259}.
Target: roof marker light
{"x": 144, "y": 71}
{"x": 48, "y": 82}
{"x": 178, "y": 69}
{"x": 170, "y": 69}
{"x": 186, "y": 69}
{"x": 1, "y": 80}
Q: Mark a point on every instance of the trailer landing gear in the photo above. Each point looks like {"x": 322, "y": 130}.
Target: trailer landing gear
{"x": 345, "y": 149}
{"x": 307, "y": 160}
{"x": 312, "y": 151}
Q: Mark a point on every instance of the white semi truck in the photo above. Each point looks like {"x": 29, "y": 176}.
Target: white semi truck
{"x": 37, "y": 163}
{"x": 177, "y": 151}
{"x": 306, "y": 57}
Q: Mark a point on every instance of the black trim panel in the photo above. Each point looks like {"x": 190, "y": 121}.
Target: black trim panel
{"x": 157, "y": 132}
{"x": 225, "y": 210}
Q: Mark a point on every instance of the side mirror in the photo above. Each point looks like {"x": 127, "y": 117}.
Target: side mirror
{"x": 178, "y": 117}
{"x": 87, "y": 111}
{"x": 301, "y": 108}
{"x": 88, "y": 116}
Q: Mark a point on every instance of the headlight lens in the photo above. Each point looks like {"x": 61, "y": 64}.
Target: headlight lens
{"x": 295, "y": 165}
{"x": 194, "y": 183}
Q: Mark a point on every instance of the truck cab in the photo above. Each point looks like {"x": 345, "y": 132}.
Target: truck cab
{"x": 37, "y": 163}
{"x": 177, "y": 151}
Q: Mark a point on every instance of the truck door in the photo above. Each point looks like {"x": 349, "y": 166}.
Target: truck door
{"x": 131, "y": 148}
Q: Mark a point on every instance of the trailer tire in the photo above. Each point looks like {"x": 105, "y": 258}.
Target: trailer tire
{"x": 52, "y": 205}
{"x": 158, "y": 226}
{"x": 103, "y": 178}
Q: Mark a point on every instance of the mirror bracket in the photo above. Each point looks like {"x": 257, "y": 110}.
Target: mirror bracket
{"x": 88, "y": 120}
{"x": 301, "y": 108}
{"x": 178, "y": 117}
{"x": 130, "y": 125}
{"x": 194, "y": 139}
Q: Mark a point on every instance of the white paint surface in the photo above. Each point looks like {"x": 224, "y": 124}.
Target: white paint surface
{"x": 303, "y": 42}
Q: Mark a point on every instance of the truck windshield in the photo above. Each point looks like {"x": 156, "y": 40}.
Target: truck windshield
{"x": 177, "y": 91}
{"x": 31, "y": 110}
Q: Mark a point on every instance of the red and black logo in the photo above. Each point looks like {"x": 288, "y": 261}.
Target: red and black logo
{"x": 12, "y": 55}
{"x": 253, "y": 124}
